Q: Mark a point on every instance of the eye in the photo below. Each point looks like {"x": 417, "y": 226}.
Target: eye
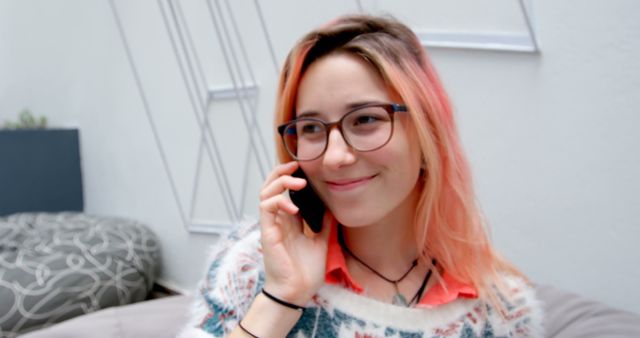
{"x": 365, "y": 119}
{"x": 309, "y": 128}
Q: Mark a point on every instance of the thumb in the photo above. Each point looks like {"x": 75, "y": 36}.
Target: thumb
{"x": 328, "y": 222}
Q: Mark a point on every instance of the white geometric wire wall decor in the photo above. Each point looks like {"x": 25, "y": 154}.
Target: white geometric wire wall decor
{"x": 510, "y": 42}
{"x": 244, "y": 91}
{"x": 465, "y": 24}
{"x": 213, "y": 167}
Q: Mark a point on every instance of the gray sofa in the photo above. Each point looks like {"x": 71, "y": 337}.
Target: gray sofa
{"x": 566, "y": 315}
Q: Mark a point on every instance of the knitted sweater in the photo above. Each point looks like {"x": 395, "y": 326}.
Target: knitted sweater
{"x": 236, "y": 275}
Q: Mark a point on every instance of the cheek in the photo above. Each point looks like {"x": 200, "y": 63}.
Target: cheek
{"x": 405, "y": 167}
{"x": 413, "y": 149}
{"x": 404, "y": 153}
{"x": 311, "y": 169}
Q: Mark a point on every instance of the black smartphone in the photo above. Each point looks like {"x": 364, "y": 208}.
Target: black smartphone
{"x": 311, "y": 206}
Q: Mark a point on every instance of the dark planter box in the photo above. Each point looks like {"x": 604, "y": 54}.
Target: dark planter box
{"x": 40, "y": 171}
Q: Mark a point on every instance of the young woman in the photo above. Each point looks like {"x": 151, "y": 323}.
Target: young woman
{"x": 402, "y": 251}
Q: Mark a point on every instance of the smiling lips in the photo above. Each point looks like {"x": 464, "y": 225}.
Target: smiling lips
{"x": 349, "y": 184}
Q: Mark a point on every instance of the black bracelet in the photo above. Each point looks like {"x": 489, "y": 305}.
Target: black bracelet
{"x": 282, "y": 302}
{"x": 245, "y": 330}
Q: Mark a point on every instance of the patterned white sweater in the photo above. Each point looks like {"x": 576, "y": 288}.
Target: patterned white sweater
{"x": 236, "y": 275}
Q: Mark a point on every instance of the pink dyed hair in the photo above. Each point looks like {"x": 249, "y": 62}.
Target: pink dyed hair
{"x": 448, "y": 221}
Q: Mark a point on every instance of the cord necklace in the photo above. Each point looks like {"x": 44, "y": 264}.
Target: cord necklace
{"x": 398, "y": 298}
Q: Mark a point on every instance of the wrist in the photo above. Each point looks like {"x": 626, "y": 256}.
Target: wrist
{"x": 267, "y": 318}
{"x": 298, "y": 298}
{"x": 283, "y": 302}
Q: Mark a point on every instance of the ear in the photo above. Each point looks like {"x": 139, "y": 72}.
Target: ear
{"x": 423, "y": 161}
{"x": 423, "y": 168}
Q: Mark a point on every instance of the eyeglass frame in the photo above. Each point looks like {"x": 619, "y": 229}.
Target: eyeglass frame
{"x": 391, "y": 109}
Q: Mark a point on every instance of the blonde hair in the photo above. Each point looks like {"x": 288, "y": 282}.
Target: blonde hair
{"x": 448, "y": 222}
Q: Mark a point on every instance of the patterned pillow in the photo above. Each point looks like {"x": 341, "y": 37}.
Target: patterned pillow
{"x": 55, "y": 266}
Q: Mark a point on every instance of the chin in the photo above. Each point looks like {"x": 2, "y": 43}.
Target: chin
{"x": 353, "y": 218}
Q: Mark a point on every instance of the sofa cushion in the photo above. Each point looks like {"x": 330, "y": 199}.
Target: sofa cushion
{"x": 569, "y": 315}
{"x": 55, "y": 266}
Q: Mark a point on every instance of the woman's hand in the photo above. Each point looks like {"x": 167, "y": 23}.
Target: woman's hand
{"x": 294, "y": 259}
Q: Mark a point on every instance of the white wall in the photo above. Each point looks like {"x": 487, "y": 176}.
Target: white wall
{"x": 554, "y": 141}
{"x": 551, "y": 136}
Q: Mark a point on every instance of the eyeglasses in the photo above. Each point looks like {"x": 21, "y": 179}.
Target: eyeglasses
{"x": 365, "y": 128}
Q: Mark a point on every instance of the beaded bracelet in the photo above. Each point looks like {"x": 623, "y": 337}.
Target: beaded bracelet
{"x": 282, "y": 302}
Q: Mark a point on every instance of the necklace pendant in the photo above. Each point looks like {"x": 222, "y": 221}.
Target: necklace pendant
{"x": 400, "y": 300}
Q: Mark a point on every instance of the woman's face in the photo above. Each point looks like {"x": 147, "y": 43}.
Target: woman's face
{"x": 360, "y": 188}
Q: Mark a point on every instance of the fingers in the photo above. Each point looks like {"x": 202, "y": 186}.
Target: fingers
{"x": 277, "y": 226}
{"x": 269, "y": 210}
{"x": 272, "y": 198}
{"x": 282, "y": 169}
{"x": 280, "y": 180}
{"x": 280, "y": 184}
{"x": 278, "y": 202}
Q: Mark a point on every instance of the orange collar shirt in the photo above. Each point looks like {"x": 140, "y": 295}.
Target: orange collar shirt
{"x": 336, "y": 273}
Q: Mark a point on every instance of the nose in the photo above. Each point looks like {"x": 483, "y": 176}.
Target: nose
{"x": 338, "y": 152}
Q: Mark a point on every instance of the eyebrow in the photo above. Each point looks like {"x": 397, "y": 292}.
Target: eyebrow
{"x": 349, "y": 107}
